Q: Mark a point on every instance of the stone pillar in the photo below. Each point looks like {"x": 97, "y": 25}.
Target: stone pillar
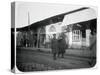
{"x": 70, "y": 39}
{"x": 38, "y": 34}
{"x": 87, "y": 37}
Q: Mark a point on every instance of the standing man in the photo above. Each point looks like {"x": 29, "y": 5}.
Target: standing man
{"x": 62, "y": 45}
{"x": 54, "y": 46}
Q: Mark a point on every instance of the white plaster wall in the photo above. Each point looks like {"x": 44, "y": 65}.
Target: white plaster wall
{"x": 50, "y": 34}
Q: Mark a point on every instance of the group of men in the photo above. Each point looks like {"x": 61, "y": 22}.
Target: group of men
{"x": 58, "y": 46}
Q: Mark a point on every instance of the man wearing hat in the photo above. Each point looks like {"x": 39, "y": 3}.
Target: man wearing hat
{"x": 54, "y": 46}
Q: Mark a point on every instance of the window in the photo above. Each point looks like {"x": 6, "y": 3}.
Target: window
{"x": 76, "y": 35}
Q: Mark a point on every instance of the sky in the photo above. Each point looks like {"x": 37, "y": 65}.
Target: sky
{"x": 38, "y": 11}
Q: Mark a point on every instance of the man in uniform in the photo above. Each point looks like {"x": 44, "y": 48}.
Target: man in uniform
{"x": 54, "y": 46}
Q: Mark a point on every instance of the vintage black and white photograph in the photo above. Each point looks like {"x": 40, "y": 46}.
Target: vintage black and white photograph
{"x": 51, "y": 36}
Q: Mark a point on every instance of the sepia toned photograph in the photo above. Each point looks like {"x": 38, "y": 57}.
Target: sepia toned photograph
{"x": 47, "y": 36}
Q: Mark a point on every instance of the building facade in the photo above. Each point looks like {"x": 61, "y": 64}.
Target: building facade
{"x": 77, "y": 28}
